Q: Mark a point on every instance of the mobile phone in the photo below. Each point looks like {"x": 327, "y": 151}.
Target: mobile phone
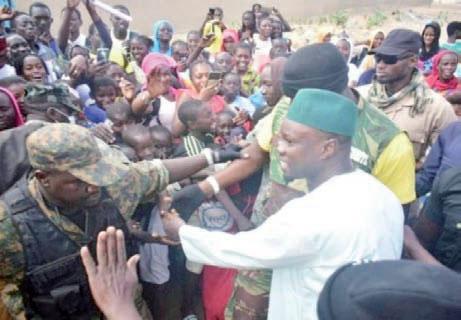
{"x": 211, "y": 11}
{"x": 215, "y": 75}
{"x": 102, "y": 55}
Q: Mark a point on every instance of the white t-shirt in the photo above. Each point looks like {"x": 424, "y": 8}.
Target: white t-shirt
{"x": 81, "y": 41}
{"x": 7, "y": 71}
{"x": 153, "y": 263}
{"x": 351, "y": 217}
{"x": 242, "y": 103}
{"x": 165, "y": 114}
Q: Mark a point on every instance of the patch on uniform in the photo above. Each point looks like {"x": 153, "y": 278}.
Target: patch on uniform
{"x": 214, "y": 217}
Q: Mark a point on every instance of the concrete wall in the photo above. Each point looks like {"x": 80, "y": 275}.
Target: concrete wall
{"x": 189, "y": 14}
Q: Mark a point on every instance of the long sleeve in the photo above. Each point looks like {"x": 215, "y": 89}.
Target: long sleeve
{"x": 281, "y": 241}
{"x": 103, "y": 33}
{"x": 425, "y": 177}
{"x": 11, "y": 269}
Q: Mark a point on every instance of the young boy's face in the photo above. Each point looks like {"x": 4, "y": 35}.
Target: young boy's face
{"x": 243, "y": 59}
{"x": 224, "y": 124}
{"x": 231, "y": 86}
{"x": 224, "y": 62}
{"x": 120, "y": 122}
{"x": 144, "y": 147}
{"x": 163, "y": 145}
{"x": 105, "y": 95}
{"x": 204, "y": 120}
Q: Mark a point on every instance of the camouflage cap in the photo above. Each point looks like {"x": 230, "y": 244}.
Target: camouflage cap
{"x": 71, "y": 148}
{"x": 50, "y": 94}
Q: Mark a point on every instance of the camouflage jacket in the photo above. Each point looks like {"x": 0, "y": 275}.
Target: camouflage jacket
{"x": 142, "y": 184}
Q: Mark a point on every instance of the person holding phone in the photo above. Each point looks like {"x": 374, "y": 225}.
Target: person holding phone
{"x": 203, "y": 88}
{"x": 214, "y": 26}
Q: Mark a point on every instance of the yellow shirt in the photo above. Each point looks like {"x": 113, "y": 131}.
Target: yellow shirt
{"x": 212, "y": 27}
{"x": 395, "y": 167}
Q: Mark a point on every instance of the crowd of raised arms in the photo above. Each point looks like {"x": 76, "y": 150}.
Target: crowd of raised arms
{"x": 225, "y": 173}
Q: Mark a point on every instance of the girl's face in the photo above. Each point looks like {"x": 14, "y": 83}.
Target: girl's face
{"x": 160, "y": 81}
{"x": 139, "y": 50}
{"x": 447, "y": 66}
{"x": 165, "y": 33}
{"x": 229, "y": 44}
{"x": 429, "y": 36}
{"x": 105, "y": 96}
{"x": 265, "y": 28}
{"x": 248, "y": 20}
{"x": 200, "y": 76}
{"x": 34, "y": 70}
{"x": 7, "y": 114}
{"x": 377, "y": 40}
{"x": 18, "y": 91}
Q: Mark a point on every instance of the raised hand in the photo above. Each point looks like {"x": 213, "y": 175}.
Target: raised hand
{"x": 113, "y": 280}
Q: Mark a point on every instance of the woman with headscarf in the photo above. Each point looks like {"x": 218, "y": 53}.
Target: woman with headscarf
{"x": 10, "y": 113}
{"x": 162, "y": 33}
{"x": 230, "y": 39}
{"x": 442, "y": 78}
{"x": 368, "y": 62}
{"x": 429, "y": 45}
{"x": 156, "y": 104}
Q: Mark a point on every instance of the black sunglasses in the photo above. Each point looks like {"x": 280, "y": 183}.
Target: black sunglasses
{"x": 390, "y": 59}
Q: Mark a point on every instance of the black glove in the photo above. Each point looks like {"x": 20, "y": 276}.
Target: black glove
{"x": 187, "y": 200}
{"x": 227, "y": 153}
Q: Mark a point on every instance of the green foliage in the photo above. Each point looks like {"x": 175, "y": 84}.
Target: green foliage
{"x": 339, "y": 18}
{"x": 376, "y": 20}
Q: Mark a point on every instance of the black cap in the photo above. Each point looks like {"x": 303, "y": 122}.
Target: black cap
{"x": 398, "y": 42}
{"x": 390, "y": 290}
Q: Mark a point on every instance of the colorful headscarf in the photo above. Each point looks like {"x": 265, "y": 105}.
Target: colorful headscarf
{"x": 19, "y": 121}
{"x": 154, "y": 61}
{"x": 434, "y": 80}
{"x": 230, "y": 33}
{"x": 155, "y": 36}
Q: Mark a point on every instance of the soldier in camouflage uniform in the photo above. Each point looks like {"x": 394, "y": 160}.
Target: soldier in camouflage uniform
{"x": 79, "y": 186}
{"x": 378, "y": 147}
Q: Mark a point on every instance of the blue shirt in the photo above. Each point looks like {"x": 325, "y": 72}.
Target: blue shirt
{"x": 95, "y": 114}
{"x": 445, "y": 153}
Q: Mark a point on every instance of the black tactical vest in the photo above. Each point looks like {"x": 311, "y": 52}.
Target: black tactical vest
{"x": 55, "y": 284}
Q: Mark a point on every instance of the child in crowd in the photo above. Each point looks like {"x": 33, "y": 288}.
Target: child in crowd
{"x": 250, "y": 79}
{"x": 16, "y": 85}
{"x": 231, "y": 87}
{"x": 146, "y": 226}
{"x": 119, "y": 116}
{"x": 226, "y": 131}
{"x": 104, "y": 93}
{"x": 163, "y": 142}
{"x": 224, "y": 62}
{"x": 197, "y": 117}
{"x": 215, "y": 214}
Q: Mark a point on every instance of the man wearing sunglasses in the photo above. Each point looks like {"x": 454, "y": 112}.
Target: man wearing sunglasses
{"x": 400, "y": 90}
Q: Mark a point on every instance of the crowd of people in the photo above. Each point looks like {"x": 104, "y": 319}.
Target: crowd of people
{"x": 260, "y": 180}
